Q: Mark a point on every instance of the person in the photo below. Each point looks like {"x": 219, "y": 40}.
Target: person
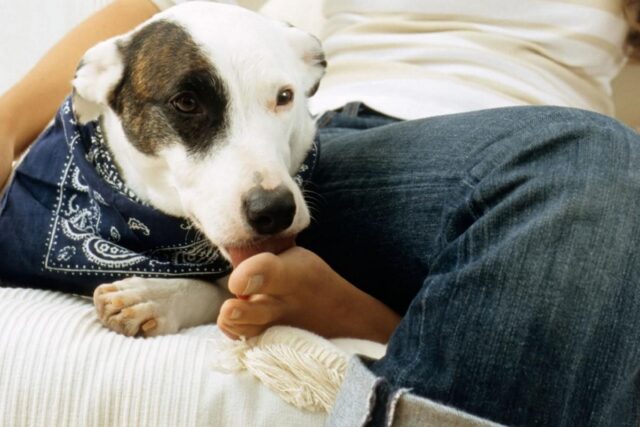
{"x": 494, "y": 248}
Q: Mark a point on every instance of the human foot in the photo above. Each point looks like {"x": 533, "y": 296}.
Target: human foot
{"x": 298, "y": 288}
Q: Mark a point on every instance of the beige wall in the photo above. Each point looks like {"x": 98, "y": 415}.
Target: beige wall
{"x": 626, "y": 94}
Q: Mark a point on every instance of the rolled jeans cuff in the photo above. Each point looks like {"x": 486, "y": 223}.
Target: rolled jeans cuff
{"x": 365, "y": 400}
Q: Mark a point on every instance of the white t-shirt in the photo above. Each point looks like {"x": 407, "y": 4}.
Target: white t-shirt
{"x": 420, "y": 58}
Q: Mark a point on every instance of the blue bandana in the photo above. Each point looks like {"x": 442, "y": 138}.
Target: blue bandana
{"x": 68, "y": 221}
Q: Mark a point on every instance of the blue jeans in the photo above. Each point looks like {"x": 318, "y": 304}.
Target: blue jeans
{"x": 509, "y": 241}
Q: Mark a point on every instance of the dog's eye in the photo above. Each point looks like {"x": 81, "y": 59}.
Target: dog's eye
{"x": 285, "y": 97}
{"x": 186, "y": 102}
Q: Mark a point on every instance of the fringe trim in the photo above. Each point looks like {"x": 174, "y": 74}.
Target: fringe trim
{"x": 302, "y": 368}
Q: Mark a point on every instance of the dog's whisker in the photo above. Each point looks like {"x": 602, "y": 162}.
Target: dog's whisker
{"x": 313, "y": 212}
{"x": 313, "y": 196}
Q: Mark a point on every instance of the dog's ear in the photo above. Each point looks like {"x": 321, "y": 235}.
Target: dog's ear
{"x": 100, "y": 70}
{"x": 309, "y": 49}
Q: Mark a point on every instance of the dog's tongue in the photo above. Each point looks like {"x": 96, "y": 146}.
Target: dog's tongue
{"x": 275, "y": 246}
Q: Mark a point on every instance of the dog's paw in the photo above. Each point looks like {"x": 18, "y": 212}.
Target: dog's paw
{"x": 135, "y": 307}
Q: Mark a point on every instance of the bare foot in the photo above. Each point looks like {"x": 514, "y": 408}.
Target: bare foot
{"x": 297, "y": 288}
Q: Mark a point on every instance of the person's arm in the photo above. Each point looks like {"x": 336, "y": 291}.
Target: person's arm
{"x": 29, "y": 105}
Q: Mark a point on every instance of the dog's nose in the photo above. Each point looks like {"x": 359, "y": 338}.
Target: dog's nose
{"x": 269, "y": 211}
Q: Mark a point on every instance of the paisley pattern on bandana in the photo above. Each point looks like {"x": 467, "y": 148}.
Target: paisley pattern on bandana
{"x": 76, "y": 242}
{"x": 96, "y": 229}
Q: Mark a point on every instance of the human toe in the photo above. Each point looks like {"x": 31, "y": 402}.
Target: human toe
{"x": 258, "y": 274}
{"x": 259, "y": 310}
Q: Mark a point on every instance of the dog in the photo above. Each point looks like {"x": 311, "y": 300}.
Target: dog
{"x": 204, "y": 112}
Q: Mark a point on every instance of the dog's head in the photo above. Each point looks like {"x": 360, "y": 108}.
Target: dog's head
{"x": 205, "y": 107}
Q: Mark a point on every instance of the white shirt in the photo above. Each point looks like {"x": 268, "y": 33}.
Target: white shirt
{"x": 420, "y": 58}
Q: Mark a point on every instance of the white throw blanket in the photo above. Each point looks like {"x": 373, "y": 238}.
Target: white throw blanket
{"x": 60, "y": 367}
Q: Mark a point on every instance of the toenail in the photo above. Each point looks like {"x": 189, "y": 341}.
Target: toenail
{"x": 149, "y": 324}
{"x": 254, "y": 283}
{"x": 235, "y": 314}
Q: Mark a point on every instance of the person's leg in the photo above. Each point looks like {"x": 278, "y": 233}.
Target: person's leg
{"x": 512, "y": 237}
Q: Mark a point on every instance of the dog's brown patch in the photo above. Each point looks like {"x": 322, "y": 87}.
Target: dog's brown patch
{"x": 161, "y": 61}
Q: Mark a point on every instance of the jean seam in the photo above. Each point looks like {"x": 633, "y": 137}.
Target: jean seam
{"x": 470, "y": 183}
{"x": 409, "y": 367}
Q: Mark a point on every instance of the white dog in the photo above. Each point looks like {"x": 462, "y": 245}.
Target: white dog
{"x": 204, "y": 111}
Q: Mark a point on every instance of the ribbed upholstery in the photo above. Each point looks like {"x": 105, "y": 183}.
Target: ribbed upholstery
{"x": 60, "y": 367}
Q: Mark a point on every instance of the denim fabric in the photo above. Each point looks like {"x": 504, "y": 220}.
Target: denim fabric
{"x": 400, "y": 408}
{"x": 508, "y": 239}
